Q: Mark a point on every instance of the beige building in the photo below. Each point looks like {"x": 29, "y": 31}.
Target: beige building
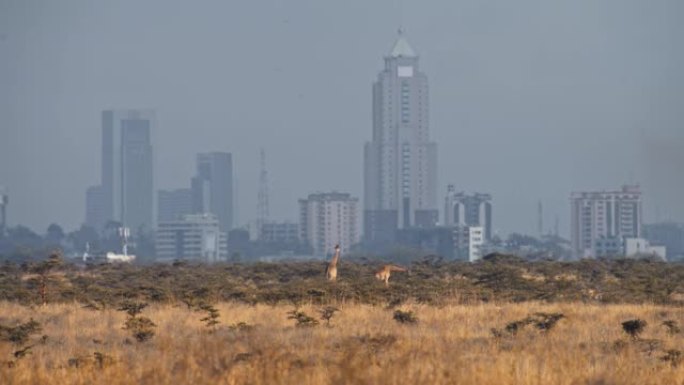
{"x": 193, "y": 237}
{"x": 400, "y": 161}
{"x": 601, "y": 215}
{"x": 328, "y": 219}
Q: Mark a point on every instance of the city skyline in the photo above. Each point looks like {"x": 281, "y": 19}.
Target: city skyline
{"x": 522, "y": 116}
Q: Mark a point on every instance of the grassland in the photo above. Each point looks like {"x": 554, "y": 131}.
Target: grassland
{"x": 363, "y": 344}
{"x": 476, "y": 323}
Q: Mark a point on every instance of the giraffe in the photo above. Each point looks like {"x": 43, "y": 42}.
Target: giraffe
{"x": 331, "y": 270}
{"x": 384, "y": 273}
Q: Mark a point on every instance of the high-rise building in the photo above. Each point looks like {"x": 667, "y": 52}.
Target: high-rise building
{"x": 470, "y": 210}
{"x": 4, "y": 201}
{"x": 604, "y": 215}
{"x": 173, "y": 204}
{"x": 127, "y": 176}
{"x": 96, "y": 208}
{"x": 194, "y": 236}
{"x": 329, "y": 219}
{"x": 400, "y": 162}
{"x": 212, "y": 187}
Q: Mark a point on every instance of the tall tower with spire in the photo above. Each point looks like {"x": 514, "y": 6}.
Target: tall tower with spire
{"x": 400, "y": 162}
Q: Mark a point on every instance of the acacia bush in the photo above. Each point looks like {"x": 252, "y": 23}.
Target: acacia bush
{"x": 405, "y": 317}
{"x": 301, "y": 318}
{"x": 634, "y": 327}
{"x": 142, "y": 328}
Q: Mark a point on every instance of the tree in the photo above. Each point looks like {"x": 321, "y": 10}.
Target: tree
{"x": 84, "y": 235}
{"x": 42, "y": 275}
{"x": 55, "y": 234}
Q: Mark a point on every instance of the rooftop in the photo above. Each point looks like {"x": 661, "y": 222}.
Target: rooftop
{"x": 402, "y": 48}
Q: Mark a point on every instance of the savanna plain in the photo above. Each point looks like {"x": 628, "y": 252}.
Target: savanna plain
{"x": 53, "y": 332}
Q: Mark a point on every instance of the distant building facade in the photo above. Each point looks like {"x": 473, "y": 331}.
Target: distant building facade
{"x": 616, "y": 247}
{"x": 192, "y": 237}
{"x": 459, "y": 242}
{"x": 328, "y": 219}
{"x": 4, "y": 202}
{"x": 469, "y": 242}
{"x": 96, "y": 208}
{"x": 604, "y": 215}
{"x": 127, "y": 167}
{"x": 212, "y": 187}
{"x": 470, "y": 210}
{"x": 400, "y": 162}
{"x": 173, "y": 204}
{"x": 670, "y": 235}
{"x": 635, "y": 247}
{"x": 282, "y": 232}
{"x": 239, "y": 242}
{"x": 609, "y": 247}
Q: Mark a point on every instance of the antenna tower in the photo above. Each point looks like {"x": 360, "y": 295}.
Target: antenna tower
{"x": 262, "y": 205}
{"x": 540, "y": 219}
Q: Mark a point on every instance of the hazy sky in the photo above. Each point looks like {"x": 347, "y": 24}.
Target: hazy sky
{"x": 530, "y": 99}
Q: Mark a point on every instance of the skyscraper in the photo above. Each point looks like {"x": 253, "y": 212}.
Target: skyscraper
{"x": 470, "y": 210}
{"x": 212, "y": 187}
{"x": 603, "y": 216}
{"x": 400, "y": 171}
{"x": 127, "y": 185}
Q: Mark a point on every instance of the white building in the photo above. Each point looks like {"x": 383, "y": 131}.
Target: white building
{"x": 193, "y": 237}
{"x": 471, "y": 210}
{"x": 468, "y": 242}
{"x": 604, "y": 215}
{"x": 635, "y": 247}
{"x": 400, "y": 162}
{"x": 628, "y": 247}
{"x": 328, "y": 219}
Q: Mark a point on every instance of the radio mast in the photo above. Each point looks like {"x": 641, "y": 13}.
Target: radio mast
{"x": 262, "y": 198}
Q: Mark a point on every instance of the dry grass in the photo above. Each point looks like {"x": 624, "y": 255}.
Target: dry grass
{"x": 362, "y": 345}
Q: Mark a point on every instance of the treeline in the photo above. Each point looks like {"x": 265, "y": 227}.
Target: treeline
{"x": 431, "y": 280}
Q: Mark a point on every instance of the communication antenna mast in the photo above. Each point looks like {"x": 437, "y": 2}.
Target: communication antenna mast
{"x": 540, "y": 219}
{"x": 262, "y": 205}
{"x": 124, "y": 233}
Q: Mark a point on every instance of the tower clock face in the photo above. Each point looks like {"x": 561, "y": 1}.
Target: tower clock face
{"x": 405, "y": 71}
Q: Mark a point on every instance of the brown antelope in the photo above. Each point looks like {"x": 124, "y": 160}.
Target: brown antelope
{"x": 384, "y": 273}
{"x": 331, "y": 270}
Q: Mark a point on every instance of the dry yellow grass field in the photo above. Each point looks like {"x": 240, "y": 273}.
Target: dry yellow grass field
{"x": 362, "y": 345}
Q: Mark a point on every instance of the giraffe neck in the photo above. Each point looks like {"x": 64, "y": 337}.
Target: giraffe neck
{"x": 335, "y": 258}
